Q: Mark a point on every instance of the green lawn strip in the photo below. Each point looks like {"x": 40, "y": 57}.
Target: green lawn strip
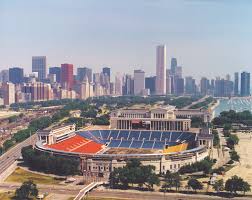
{"x": 21, "y": 175}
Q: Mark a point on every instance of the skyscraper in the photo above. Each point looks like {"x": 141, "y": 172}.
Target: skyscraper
{"x": 8, "y": 93}
{"x": 56, "y": 71}
{"x": 39, "y": 66}
{"x": 204, "y": 86}
{"x": 161, "y": 70}
{"x": 67, "y": 76}
{"x": 150, "y": 84}
{"x": 190, "y": 86}
{"x": 16, "y": 75}
{"x": 173, "y": 66}
{"x": 4, "y": 76}
{"x": 245, "y": 84}
{"x": 106, "y": 70}
{"x": 83, "y": 72}
{"x": 139, "y": 81}
{"x": 236, "y": 84}
{"x": 118, "y": 85}
{"x": 128, "y": 88}
{"x": 180, "y": 88}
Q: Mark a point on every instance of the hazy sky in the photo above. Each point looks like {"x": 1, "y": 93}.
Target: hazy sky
{"x": 208, "y": 37}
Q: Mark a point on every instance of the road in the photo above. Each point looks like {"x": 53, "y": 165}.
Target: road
{"x": 195, "y": 102}
{"x": 55, "y": 189}
{"x": 9, "y": 157}
{"x": 153, "y": 195}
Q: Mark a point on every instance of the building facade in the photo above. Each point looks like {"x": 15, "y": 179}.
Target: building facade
{"x": 39, "y": 66}
{"x": 161, "y": 70}
{"x": 67, "y": 80}
{"x": 139, "y": 82}
{"x": 160, "y": 118}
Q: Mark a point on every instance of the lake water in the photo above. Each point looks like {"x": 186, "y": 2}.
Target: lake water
{"x": 237, "y": 104}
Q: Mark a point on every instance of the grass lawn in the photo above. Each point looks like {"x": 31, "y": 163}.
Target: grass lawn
{"x": 21, "y": 175}
{"x": 5, "y": 195}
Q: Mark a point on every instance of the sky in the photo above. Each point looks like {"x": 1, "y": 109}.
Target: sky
{"x": 208, "y": 37}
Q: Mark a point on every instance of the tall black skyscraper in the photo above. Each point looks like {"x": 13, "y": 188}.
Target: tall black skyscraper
{"x": 150, "y": 83}
{"x": 16, "y": 75}
{"x": 245, "y": 84}
{"x": 236, "y": 84}
{"x": 83, "y": 72}
{"x": 106, "y": 70}
{"x": 56, "y": 71}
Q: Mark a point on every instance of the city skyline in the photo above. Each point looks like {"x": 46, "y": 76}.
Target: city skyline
{"x": 96, "y": 34}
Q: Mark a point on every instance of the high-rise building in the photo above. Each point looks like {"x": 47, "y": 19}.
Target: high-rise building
{"x": 39, "y": 66}
{"x": 139, "y": 82}
{"x": 4, "y": 76}
{"x": 96, "y": 78}
{"x": 161, "y": 70}
{"x": 128, "y": 87}
{"x": 245, "y": 84}
{"x": 83, "y": 72}
{"x": 173, "y": 66}
{"x": 106, "y": 70}
{"x": 16, "y": 75}
{"x": 204, "y": 86}
{"x": 236, "y": 84}
{"x": 118, "y": 85}
{"x": 178, "y": 72}
{"x": 180, "y": 86}
{"x": 190, "y": 86}
{"x": 8, "y": 93}
{"x": 150, "y": 83}
{"x": 67, "y": 80}
{"x": 56, "y": 71}
{"x": 223, "y": 88}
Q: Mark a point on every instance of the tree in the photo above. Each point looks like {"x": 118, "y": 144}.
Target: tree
{"x": 235, "y": 184}
{"x": 218, "y": 185}
{"x": 172, "y": 180}
{"x": 28, "y": 190}
{"x": 234, "y": 156}
{"x": 232, "y": 141}
{"x": 195, "y": 184}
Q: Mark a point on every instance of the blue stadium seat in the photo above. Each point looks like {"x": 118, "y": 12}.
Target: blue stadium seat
{"x": 144, "y": 134}
{"x": 105, "y": 134}
{"x": 159, "y": 145}
{"x": 136, "y": 144}
{"x": 155, "y": 135}
{"x": 134, "y": 134}
{"x": 166, "y": 135}
{"x": 113, "y": 134}
{"x": 147, "y": 144}
{"x": 123, "y": 134}
{"x": 125, "y": 144}
{"x": 114, "y": 143}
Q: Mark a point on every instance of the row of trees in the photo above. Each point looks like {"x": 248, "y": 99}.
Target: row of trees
{"x": 229, "y": 117}
{"x": 233, "y": 185}
{"x": 204, "y": 104}
{"x": 204, "y": 166}
{"x": 49, "y": 163}
{"x": 134, "y": 173}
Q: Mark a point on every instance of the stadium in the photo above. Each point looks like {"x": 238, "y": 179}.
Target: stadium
{"x": 102, "y": 150}
{"x": 154, "y": 135}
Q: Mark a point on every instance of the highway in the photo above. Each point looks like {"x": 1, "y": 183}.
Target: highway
{"x": 9, "y": 157}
